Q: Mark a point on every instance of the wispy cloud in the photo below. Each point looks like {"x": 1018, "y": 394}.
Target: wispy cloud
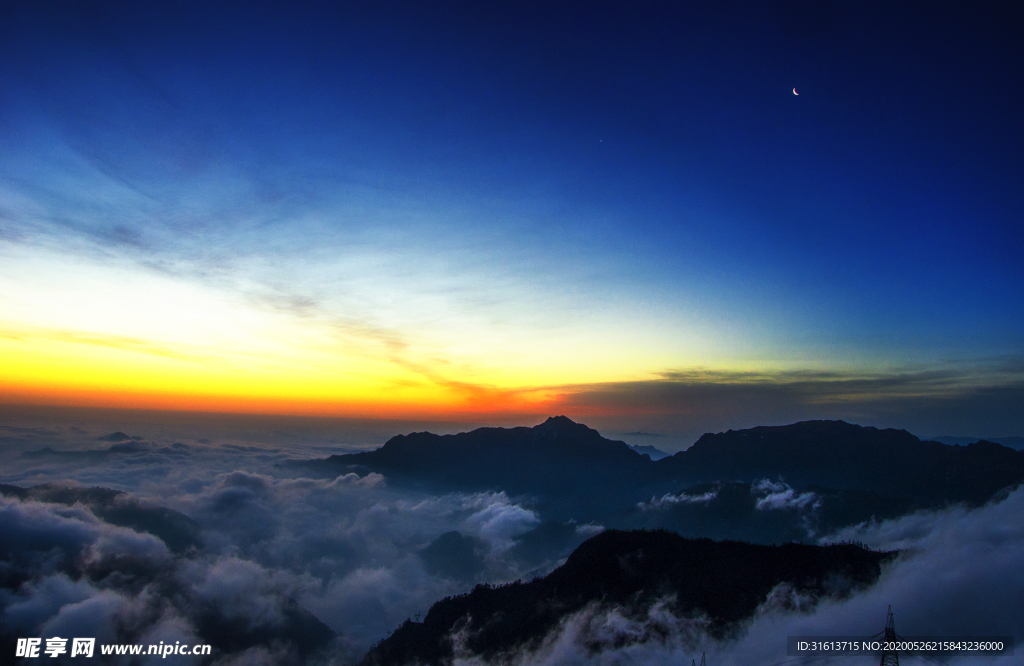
{"x": 118, "y": 342}
{"x": 959, "y": 397}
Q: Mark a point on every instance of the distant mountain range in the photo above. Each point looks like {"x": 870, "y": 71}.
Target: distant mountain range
{"x": 1011, "y": 442}
{"x": 648, "y": 450}
{"x": 572, "y": 472}
{"x": 722, "y": 582}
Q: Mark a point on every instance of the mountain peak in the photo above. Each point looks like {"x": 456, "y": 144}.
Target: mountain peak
{"x": 557, "y": 427}
{"x": 560, "y": 423}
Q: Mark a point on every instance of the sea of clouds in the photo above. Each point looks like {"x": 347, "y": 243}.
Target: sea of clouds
{"x": 348, "y": 550}
{"x": 345, "y": 548}
{"x": 959, "y": 573}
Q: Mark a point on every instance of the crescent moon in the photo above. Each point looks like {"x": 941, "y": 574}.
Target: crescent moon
{"x": 795, "y": 92}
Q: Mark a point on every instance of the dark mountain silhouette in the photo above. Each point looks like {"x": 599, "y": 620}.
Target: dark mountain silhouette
{"x": 835, "y": 454}
{"x": 1010, "y": 442}
{"x": 179, "y": 532}
{"x": 722, "y": 581}
{"x": 572, "y": 472}
{"x": 297, "y": 628}
{"x": 570, "y": 468}
{"x": 453, "y": 555}
{"x": 118, "y": 437}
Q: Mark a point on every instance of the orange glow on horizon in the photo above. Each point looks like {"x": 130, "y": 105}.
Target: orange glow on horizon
{"x": 475, "y": 402}
{"x": 69, "y": 368}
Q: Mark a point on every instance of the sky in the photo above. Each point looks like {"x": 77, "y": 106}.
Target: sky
{"x": 656, "y": 217}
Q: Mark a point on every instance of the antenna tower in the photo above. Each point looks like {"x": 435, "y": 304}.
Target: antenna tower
{"x": 889, "y": 657}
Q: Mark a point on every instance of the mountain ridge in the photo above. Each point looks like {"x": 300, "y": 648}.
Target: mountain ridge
{"x": 838, "y": 455}
{"x": 558, "y": 461}
{"x": 571, "y": 470}
{"x": 717, "y": 582}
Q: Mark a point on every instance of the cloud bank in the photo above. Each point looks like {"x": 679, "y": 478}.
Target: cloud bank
{"x": 959, "y": 574}
{"x": 274, "y": 550}
{"x": 278, "y": 551}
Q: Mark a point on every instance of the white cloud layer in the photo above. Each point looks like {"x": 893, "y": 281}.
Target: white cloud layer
{"x": 347, "y": 550}
{"x": 959, "y": 573}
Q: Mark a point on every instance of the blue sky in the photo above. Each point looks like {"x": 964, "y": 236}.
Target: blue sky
{"x": 506, "y": 204}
